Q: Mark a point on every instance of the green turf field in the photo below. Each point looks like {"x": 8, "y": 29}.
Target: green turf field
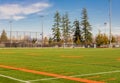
{"x": 94, "y": 64}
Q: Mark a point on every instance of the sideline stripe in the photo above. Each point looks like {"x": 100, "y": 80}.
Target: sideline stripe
{"x": 51, "y": 74}
{"x": 13, "y": 78}
{"x": 79, "y": 75}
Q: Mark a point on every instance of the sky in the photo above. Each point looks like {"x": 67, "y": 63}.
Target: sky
{"x": 26, "y": 14}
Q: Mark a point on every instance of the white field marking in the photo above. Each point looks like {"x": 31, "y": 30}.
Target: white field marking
{"x": 96, "y": 73}
{"x": 77, "y": 75}
{"x": 14, "y": 78}
{"x": 43, "y": 79}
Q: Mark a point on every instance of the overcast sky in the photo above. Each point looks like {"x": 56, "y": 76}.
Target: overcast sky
{"x": 25, "y": 14}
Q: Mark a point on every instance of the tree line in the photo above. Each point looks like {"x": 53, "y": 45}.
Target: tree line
{"x": 78, "y": 33}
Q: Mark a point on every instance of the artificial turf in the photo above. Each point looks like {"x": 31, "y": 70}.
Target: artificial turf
{"x": 63, "y": 61}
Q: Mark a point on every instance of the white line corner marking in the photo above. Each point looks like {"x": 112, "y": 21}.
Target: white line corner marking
{"x": 14, "y": 78}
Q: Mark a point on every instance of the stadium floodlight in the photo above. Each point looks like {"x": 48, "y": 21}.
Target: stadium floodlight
{"x": 42, "y": 29}
{"x": 110, "y": 23}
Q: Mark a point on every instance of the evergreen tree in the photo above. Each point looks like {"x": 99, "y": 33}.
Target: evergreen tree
{"x": 77, "y": 34}
{"x": 56, "y": 27}
{"x": 86, "y": 28}
{"x": 63, "y": 27}
{"x": 66, "y": 28}
{"x": 78, "y": 41}
{"x": 3, "y": 37}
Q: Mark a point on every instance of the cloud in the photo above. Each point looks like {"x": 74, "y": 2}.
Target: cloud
{"x": 18, "y": 17}
{"x": 17, "y": 11}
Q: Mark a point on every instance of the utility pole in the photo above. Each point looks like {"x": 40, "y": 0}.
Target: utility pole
{"x": 42, "y": 29}
{"x": 110, "y": 23}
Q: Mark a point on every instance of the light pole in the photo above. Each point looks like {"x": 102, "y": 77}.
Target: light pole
{"x": 42, "y": 30}
{"x": 105, "y": 25}
{"x": 10, "y": 32}
{"x": 110, "y": 23}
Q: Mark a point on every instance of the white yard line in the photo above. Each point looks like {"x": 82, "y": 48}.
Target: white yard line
{"x": 14, "y": 78}
{"x": 99, "y": 73}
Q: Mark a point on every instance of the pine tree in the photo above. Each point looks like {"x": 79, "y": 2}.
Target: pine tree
{"x": 63, "y": 27}
{"x": 3, "y": 37}
{"x": 77, "y": 34}
{"x": 56, "y": 27}
{"x": 66, "y": 28}
{"x": 86, "y": 28}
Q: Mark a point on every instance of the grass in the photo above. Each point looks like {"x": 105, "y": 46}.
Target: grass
{"x": 68, "y": 62}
